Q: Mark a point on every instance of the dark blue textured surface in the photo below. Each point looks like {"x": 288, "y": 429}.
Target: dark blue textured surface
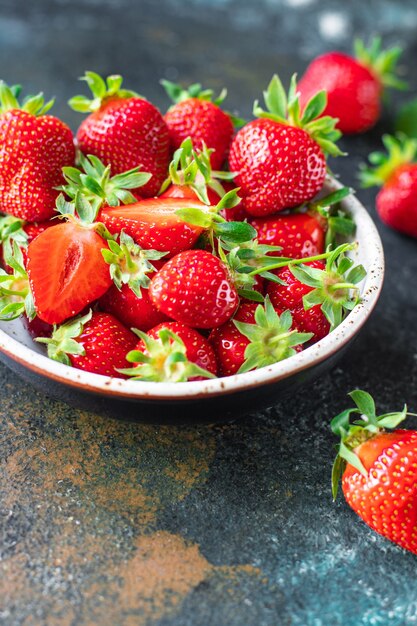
{"x": 255, "y": 495}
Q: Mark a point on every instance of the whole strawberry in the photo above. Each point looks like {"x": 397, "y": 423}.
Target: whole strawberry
{"x": 195, "y": 288}
{"x": 197, "y": 115}
{"x": 396, "y": 173}
{"x": 243, "y": 346}
{"x": 172, "y": 352}
{"x": 123, "y": 130}
{"x": 306, "y": 231}
{"x": 354, "y": 85}
{"x": 378, "y": 469}
{"x": 95, "y": 342}
{"x": 34, "y": 147}
{"x": 279, "y": 159}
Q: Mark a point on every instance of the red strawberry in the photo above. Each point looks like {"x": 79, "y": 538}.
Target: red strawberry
{"x": 279, "y": 159}
{"x": 96, "y": 342}
{"x": 153, "y": 223}
{"x": 123, "y": 130}
{"x": 66, "y": 271}
{"x": 379, "y": 469}
{"x": 194, "y": 288}
{"x": 318, "y": 295}
{"x": 299, "y": 235}
{"x": 34, "y": 149}
{"x": 354, "y": 86}
{"x": 172, "y": 352}
{"x": 133, "y": 311}
{"x": 196, "y": 115}
{"x": 396, "y": 203}
{"x": 241, "y": 346}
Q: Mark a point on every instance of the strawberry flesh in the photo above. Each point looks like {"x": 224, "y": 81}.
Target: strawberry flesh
{"x": 66, "y": 271}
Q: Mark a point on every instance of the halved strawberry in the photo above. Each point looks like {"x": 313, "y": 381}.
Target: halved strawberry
{"x": 66, "y": 271}
{"x": 154, "y": 224}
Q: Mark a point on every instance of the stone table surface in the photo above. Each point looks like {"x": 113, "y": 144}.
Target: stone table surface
{"x": 114, "y": 524}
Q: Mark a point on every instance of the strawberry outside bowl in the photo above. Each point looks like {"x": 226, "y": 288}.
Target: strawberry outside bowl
{"x": 220, "y": 399}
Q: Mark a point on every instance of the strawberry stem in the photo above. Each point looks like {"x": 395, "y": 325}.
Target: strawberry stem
{"x": 286, "y": 262}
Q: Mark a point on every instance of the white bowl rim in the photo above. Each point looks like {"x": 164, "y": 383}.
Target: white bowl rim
{"x": 148, "y": 391}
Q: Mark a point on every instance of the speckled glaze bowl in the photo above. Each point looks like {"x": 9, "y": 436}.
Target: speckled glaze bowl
{"x": 215, "y": 400}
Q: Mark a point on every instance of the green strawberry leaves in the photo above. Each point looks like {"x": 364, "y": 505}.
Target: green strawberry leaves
{"x": 192, "y": 168}
{"x": 35, "y": 105}
{"x": 102, "y": 90}
{"x": 338, "y": 221}
{"x": 91, "y": 186}
{"x": 400, "y": 150}
{"x": 129, "y": 263}
{"x": 177, "y": 94}
{"x": 15, "y": 294}
{"x": 383, "y": 63}
{"x": 271, "y": 338}
{"x": 335, "y": 288}
{"x": 62, "y": 342}
{"x": 285, "y": 109}
{"x": 353, "y": 433}
{"x": 165, "y": 360}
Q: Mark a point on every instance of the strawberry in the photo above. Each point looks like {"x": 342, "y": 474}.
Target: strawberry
{"x": 194, "y": 288}
{"x": 197, "y": 115}
{"x": 279, "y": 158}
{"x": 153, "y": 223}
{"x": 378, "y": 469}
{"x": 191, "y": 176}
{"x": 318, "y": 294}
{"x": 396, "y": 202}
{"x": 66, "y": 270}
{"x": 308, "y": 232}
{"x": 131, "y": 310}
{"x": 128, "y": 299}
{"x": 34, "y": 149}
{"x": 123, "y": 130}
{"x": 354, "y": 86}
{"x": 242, "y": 346}
{"x": 95, "y": 342}
{"x": 172, "y": 352}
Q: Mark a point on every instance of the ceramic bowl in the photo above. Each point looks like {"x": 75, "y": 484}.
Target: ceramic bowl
{"x": 220, "y": 399}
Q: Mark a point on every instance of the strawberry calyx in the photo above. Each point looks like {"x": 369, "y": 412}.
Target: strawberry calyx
{"x": 335, "y": 288}
{"x": 271, "y": 338}
{"x": 382, "y": 63}
{"x": 192, "y": 168}
{"x": 177, "y": 93}
{"x": 286, "y": 109}
{"x": 165, "y": 360}
{"x": 11, "y": 228}
{"x": 35, "y": 105}
{"x": 400, "y": 151}
{"x": 15, "y": 293}
{"x": 129, "y": 263}
{"x": 353, "y": 434}
{"x": 62, "y": 341}
{"x": 93, "y": 183}
{"x": 103, "y": 91}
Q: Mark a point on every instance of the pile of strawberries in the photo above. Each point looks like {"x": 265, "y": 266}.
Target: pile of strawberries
{"x": 136, "y": 254}
{"x": 175, "y": 247}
